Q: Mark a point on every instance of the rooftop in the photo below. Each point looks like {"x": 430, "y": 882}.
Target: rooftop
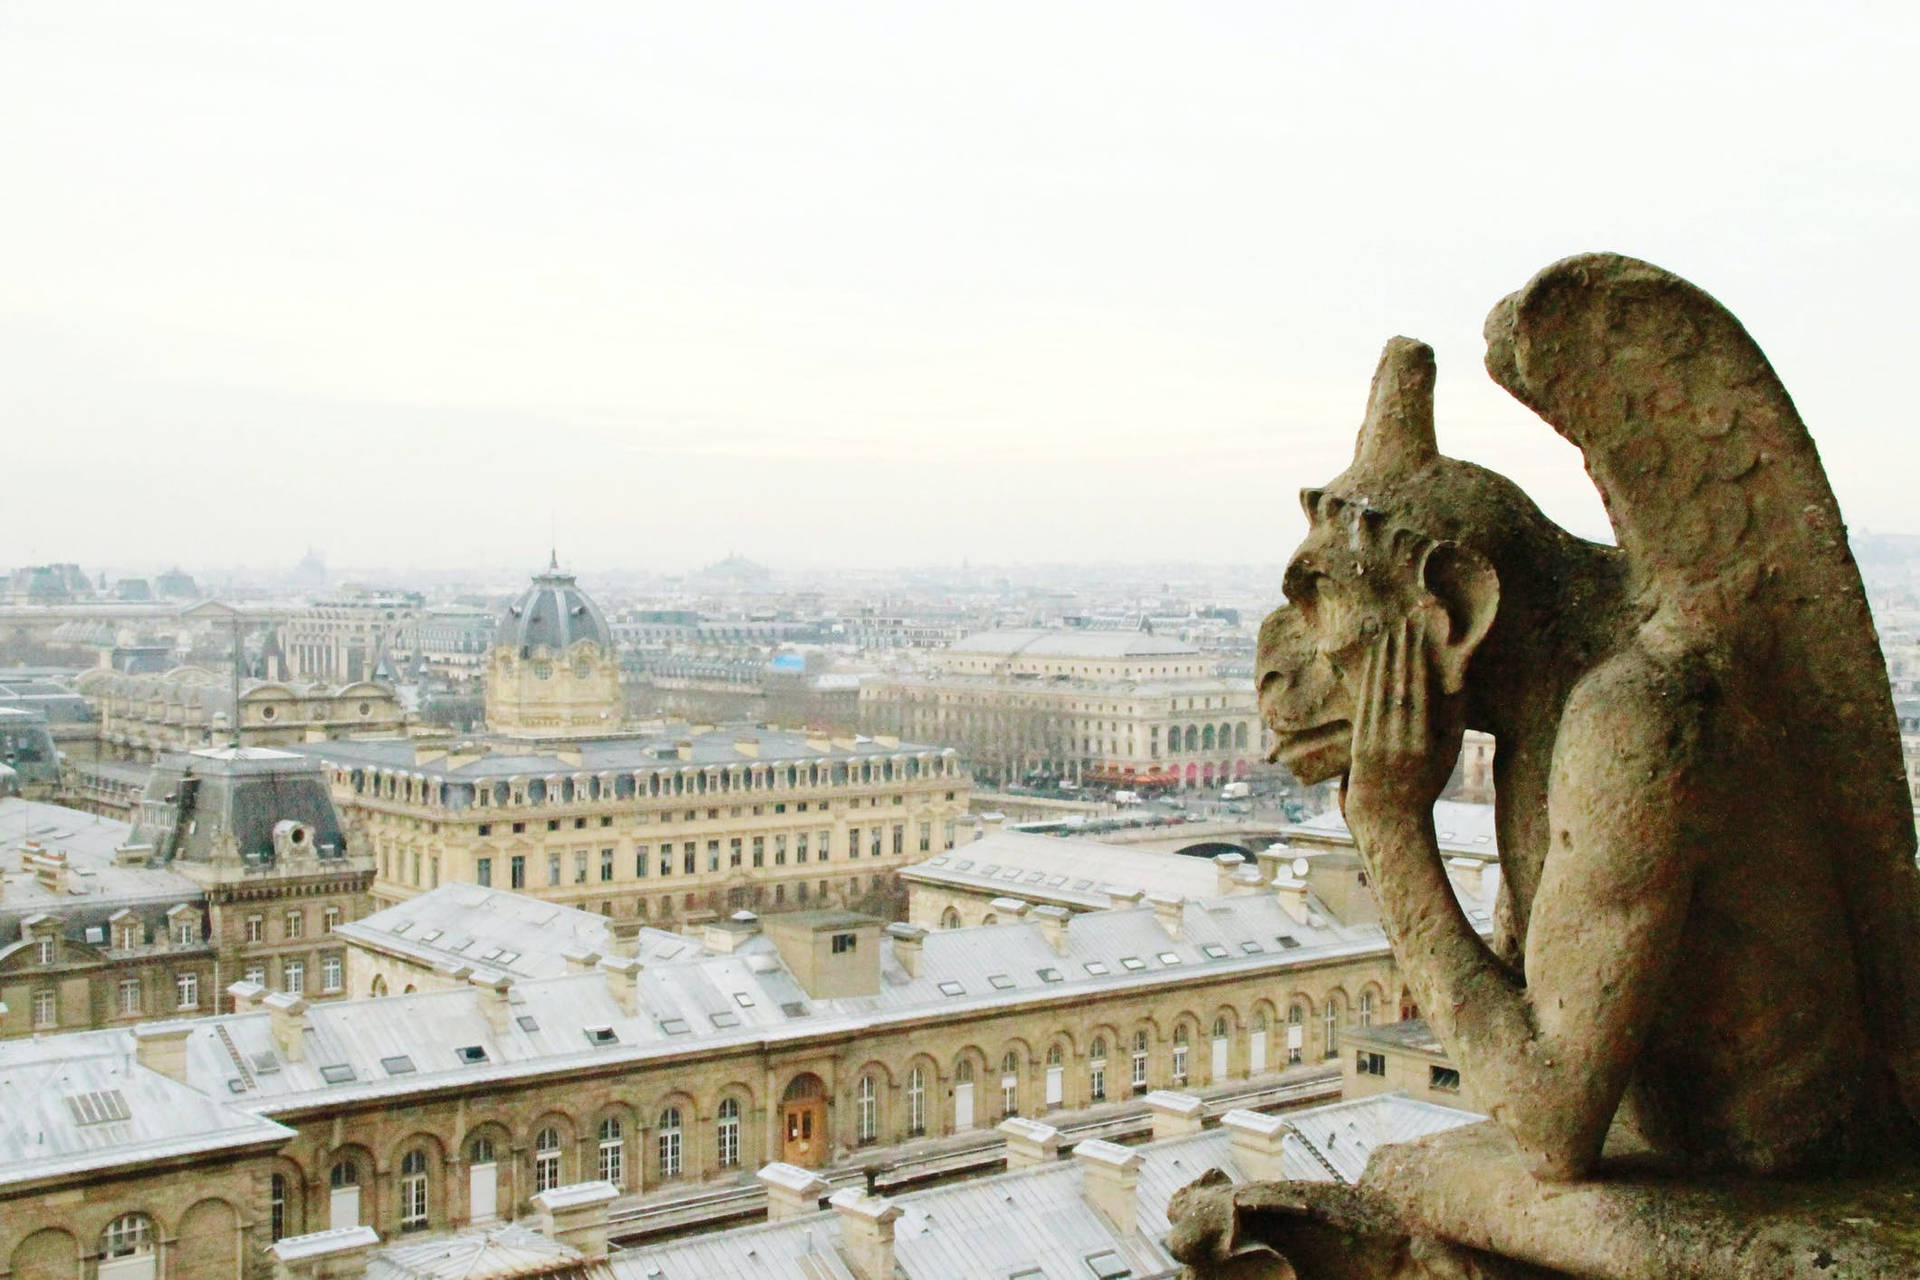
{"x": 1073, "y": 643}
{"x": 1075, "y": 873}
{"x": 89, "y": 841}
{"x": 1462, "y": 828}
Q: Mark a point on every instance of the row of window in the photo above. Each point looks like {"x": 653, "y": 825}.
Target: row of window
{"x": 293, "y": 925}
{"x": 740, "y": 852}
{"x": 130, "y": 997}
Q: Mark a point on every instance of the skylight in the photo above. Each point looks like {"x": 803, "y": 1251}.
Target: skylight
{"x": 430, "y": 935}
{"x": 1097, "y": 968}
{"x": 1169, "y": 957}
{"x": 1132, "y": 962}
{"x": 1108, "y": 1265}
{"x": 602, "y": 1035}
{"x": 724, "y": 1019}
{"x": 471, "y": 1053}
{"x": 742, "y": 999}
{"x": 1050, "y": 975}
{"x": 675, "y": 1026}
{"x": 952, "y": 988}
{"x": 1213, "y": 951}
{"x": 337, "y": 1073}
{"x": 1288, "y": 942}
{"x": 1000, "y": 981}
{"x": 1252, "y": 948}
{"x": 103, "y": 1107}
{"x": 398, "y": 1065}
{"x": 528, "y": 1022}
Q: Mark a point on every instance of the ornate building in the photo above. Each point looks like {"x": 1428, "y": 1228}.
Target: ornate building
{"x": 672, "y": 823}
{"x": 142, "y": 716}
{"x": 553, "y": 672}
{"x": 236, "y": 868}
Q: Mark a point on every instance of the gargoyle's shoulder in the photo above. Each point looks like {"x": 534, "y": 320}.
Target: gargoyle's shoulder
{"x": 1644, "y": 701}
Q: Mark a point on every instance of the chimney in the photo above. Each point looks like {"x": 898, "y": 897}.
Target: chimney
{"x": 576, "y": 1215}
{"x": 1119, "y": 899}
{"x": 623, "y": 980}
{"x": 1274, "y": 861}
{"x": 791, "y": 1190}
{"x": 496, "y": 990}
{"x": 1110, "y": 1179}
{"x": 623, "y": 934}
{"x": 132, "y": 855}
{"x": 684, "y": 748}
{"x": 1258, "y": 1143}
{"x": 1175, "y": 1115}
{"x": 1168, "y": 909}
{"x": 580, "y": 959}
{"x": 1224, "y": 868}
{"x": 1008, "y": 910}
{"x": 1029, "y": 1143}
{"x": 909, "y": 941}
{"x": 1053, "y": 926}
{"x": 49, "y": 866}
{"x": 1247, "y": 880}
{"x": 726, "y": 936}
{"x": 749, "y": 747}
{"x": 162, "y": 1047}
{"x": 1293, "y": 898}
{"x": 339, "y": 1254}
{"x": 866, "y": 1232}
{"x": 1472, "y": 878}
{"x": 289, "y": 1018}
{"x": 246, "y": 996}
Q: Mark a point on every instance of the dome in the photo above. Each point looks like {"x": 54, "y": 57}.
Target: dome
{"x": 553, "y": 613}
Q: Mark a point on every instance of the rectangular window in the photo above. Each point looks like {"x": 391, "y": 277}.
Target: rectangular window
{"x": 844, "y": 942}
{"x": 800, "y": 847}
{"x": 926, "y": 837}
{"x": 642, "y": 855}
{"x": 256, "y": 929}
{"x": 257, "y": 974}
{"x": 879, "y": 833}
{"x": 759, "y": 851}
{"x": 899, "y": 838}
{"x": 519, "y": 872}
{"x": 826, "y": 841}
{"x": 1445, "y": 1079}
{"x": 713, "y": 855}
{"x": 330, "y": 973}
{"x": 606, "y": 864}
{"x": 186, "y": 933}
{"x": 486, "y": 829}
{"x": 580, "y": 866}
{"x": 483, "y": 871}
{"x": 187, "y": 987}
{"x": 666, "y": 859}
{"x": 949, "y": 833}
{"x": 129, "y": 995}
{"x": 779, "y": 851}
{"x": 46, "y": 1009}
{"x": 733, "y": 852}
{"x": 331, "y": 919}
{"x": 295, "y": 973}
{"x": 553, "y": 869}
{"x": 853, "y": 842}
{"x": 1370, "y": 1064}
{"x": 689, "y": 853}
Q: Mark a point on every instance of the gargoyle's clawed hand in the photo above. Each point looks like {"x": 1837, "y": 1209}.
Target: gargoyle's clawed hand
{"x": 1406, "y": 732}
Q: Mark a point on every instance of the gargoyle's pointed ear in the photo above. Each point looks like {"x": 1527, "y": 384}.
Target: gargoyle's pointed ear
{"x": 1469, "y": 591}
{"x": 1398, "y": 431}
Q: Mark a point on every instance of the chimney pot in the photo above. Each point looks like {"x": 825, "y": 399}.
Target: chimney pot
{"x": 909, "y": 943}
{"x": 289, "y": 1021}
{"x": 1175, "y": 1114}
{"x": 866, "y": 1232}
{"x": 1110, "y": 1175}
{"x": 791, "y": 1190}
{"x": 576, "y": 1215}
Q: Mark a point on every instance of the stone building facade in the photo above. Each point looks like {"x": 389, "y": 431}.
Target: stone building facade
{"x": 144, "y": 716}
{"x": 341, "y": 640}
{"x": 804, "y": 1039}
{"x": 1120, "y": 707}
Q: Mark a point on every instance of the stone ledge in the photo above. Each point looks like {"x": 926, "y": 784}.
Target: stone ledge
{"x": 1467, "y": 1186}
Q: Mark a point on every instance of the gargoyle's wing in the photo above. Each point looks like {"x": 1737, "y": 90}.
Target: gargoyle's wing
{"x": 1720, "y": 502}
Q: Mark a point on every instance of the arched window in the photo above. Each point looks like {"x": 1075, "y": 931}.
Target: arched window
{"x": 950, "y": 919}
{"x": 1010, "y": 1083}
{"x": 1140, "y": 1043}
{"x": 963, "y": 1071}
{"x": 1055, "y": 1056}
{"x": 277, "y": 1206}
{"x": 128, "y": 1236}
{"x": 1296, "y": 1020}
{"x": 413, "y": 1191}
{"x": 613, "y": 1150}
{"x": 1097, "y": 1069}
{"x": 546, "y": 1159}
{"x": 1193, "y": 738}
{"x": 867, "y": 1108}
{"x": 729, "y": 1132}
{"x": 1330, "y": 1023}
{"x": 1180, "y": 1055}
{"x": 1366, "y": 1009}
{"x": 343, "y": 1174}
{"x": 669, "y": 1142}
{"x": 1206, "y": 738}
{"x": 1240, "y": 736}
{"x": 916, "y": 1102}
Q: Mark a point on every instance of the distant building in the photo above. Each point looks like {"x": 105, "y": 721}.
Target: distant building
{"x": 176, "y": 585}
{"x": 1403, "y": 1057}
{"x": 1125, "y": 708}
{"x": 142, "y": 716}
{"x": 552, "y": 672}
{"x": 345, "y": 639}
{"x": 455, "y": 641}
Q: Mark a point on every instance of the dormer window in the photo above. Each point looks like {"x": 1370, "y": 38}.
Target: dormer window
{"x": 43, "y": 951}
{"x": 186, "y": 933}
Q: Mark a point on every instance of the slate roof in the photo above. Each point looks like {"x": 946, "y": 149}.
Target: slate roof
{"x": 552, "y": 613}
{"x": 89, "y": 841}
{"x": 1073, "y": 643}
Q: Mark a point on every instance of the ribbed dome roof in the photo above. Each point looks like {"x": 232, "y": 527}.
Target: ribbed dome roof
{"x": 554, "y": 612}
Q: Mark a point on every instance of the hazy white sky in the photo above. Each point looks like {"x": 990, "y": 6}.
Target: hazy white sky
{"x": 887, "y": 283}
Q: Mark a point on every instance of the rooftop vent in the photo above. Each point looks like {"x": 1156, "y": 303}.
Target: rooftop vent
{"x": 102, "y": 1107}
{"x": 471, "y": 1053}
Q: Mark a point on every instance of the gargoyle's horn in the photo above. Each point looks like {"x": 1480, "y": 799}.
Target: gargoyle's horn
{"x": 1398, "y": 431}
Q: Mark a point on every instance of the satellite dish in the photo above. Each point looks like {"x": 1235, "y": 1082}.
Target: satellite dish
{"x": 1299, "y": 868}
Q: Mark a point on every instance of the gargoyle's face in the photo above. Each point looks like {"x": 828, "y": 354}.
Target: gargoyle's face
{"x": 1344, "y": 589}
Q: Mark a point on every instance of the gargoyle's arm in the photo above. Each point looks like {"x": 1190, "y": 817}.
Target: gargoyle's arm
{"x": 1551, "y": 1055}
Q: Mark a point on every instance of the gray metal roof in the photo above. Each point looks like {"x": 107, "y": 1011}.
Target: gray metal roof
{"x": 1045, "y": 869}
{"x": 97, "y": 886}
{"x": 69, "y": 1104}
{"x": 1462, "y": 828}
{"x": 553, "y": 614}
{"x": 479, "y": 927}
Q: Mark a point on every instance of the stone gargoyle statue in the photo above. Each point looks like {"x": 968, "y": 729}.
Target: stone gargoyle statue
{"x": 1705, "y": 965}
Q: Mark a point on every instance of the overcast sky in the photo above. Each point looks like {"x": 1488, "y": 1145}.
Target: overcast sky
{"x": 885, "y": 284}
